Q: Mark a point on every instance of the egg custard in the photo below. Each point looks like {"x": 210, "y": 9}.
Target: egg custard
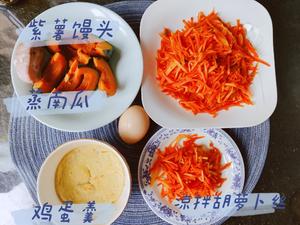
{"x": 89, "y": 173}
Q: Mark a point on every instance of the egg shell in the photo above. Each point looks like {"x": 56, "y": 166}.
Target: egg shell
{"x": 133, "y": 124}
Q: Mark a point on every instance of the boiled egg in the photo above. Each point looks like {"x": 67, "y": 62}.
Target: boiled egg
{"x": 133, "y": 124}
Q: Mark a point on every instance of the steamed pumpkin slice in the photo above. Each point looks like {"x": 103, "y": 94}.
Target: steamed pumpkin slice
{"x": 82, "y": 57}
{"x": 79, "y": 79}
{"x": 103, "y": 49}
{"x": 107, "y": 81}
{"x": 68, "y": 84}
{"x": 53, "y": 74}
{"x": 38, "y": 57}
{"x": 70, "y": 53}
{"x": 89, "y": 78}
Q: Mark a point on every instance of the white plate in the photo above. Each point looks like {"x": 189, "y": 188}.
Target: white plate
{"x": 128, "y": 70}
{"x": 163, "y": 109}
{"x": 235, "y": 175}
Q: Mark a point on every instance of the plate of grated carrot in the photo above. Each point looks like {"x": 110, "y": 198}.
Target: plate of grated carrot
{"x": 208, "y": 63}
{"x": 180, "y": 166}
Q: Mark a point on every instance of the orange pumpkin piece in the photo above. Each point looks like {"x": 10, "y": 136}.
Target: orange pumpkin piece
{"x": 78, "y": 46}
{"x": 79, "y": 79}
{"x": 52, "y": 74}
{"x": 37, "y": 60}
{"x": 82, "y": 57}
{"x": 107, "y": 81}
{"x": 89, "y": 78}
{"x": 67, "y": 84}
{"x": 70, "y": 53}
{"x": 102, "y": 48}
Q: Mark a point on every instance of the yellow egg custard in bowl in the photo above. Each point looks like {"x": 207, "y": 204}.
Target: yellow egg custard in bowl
{"x": 85, "y": 170}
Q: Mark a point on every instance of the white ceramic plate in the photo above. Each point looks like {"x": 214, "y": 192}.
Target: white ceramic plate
{"x": 163, "y": 109}
{"x": 171, "y": 213}
{"x": 128, "y": 70}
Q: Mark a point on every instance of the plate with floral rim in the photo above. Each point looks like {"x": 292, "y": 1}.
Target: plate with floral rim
{"x": 175, "y": 212}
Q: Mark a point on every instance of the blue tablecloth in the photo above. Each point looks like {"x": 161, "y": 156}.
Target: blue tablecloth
{"x": 31, "y": 142}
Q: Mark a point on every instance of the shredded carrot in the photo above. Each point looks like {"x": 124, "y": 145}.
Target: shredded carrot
{"x": 207, "y": 66}
{"x": 186, "y": 168}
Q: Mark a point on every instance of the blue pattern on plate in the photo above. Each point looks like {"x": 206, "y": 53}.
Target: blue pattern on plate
{"x": 162, "y": 138}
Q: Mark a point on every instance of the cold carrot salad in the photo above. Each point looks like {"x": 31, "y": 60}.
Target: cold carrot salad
{"x": 207, "y": 66}
{"x": 185, "y": 168}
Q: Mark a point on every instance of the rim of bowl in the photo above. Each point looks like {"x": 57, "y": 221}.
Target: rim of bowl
{"x": 112, "y": 148}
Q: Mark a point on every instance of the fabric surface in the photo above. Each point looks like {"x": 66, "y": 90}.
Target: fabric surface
{"x": 31, "y": 142}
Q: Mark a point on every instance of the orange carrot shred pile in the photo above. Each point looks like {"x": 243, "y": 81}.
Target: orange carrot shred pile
{"x": 188, "y": 169}
{"x": 207, "y": 66}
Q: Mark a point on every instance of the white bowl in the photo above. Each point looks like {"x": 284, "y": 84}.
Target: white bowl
{"x": 46, "y": 178}
{"x": 128, "y": 68}
{"x": 165, "y": 110}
